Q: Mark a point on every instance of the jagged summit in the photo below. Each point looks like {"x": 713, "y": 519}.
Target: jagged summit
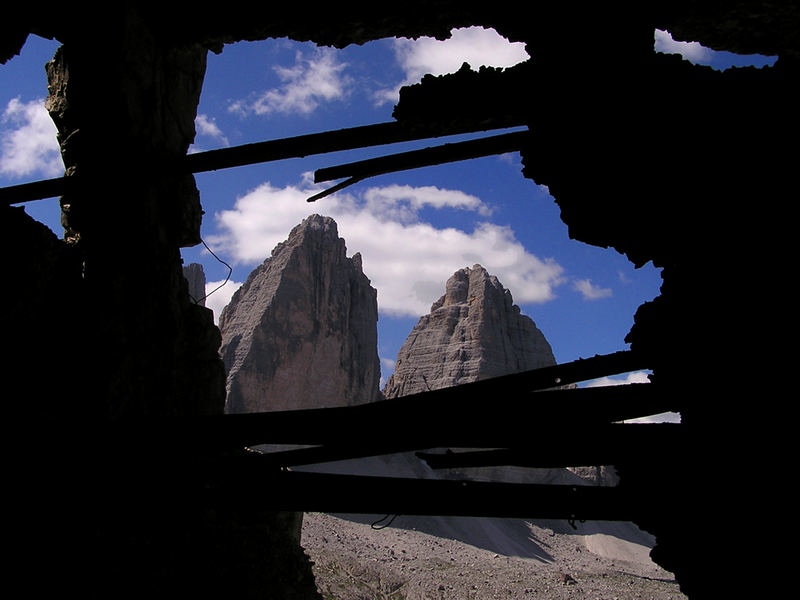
{"x": 474, "y": 331}
{"x": 301, "y": 332}
{"x": 196, "y": 281}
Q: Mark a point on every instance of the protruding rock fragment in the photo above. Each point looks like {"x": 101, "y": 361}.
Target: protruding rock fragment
{"x": 196, "y": 278}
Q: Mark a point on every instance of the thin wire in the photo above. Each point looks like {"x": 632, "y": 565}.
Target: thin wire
{"x": 378, "y": 527}
{"x": 230, "y": 271}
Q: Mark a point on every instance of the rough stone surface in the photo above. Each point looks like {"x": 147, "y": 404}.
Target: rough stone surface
{"x": 302, "y": 330}
{"x": 114, "y": 338}
{"x": 474, "y": 331}
{"x": 152, "y": 350}
{"x": 196, "y": 278}
{"x": 45, "y": 279}
{"x": 353, "y": 561}
{"x": 605, "y": 475}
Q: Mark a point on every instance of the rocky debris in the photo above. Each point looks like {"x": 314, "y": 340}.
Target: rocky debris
{"x": 566, "y": 578}
{"x": 353, "y": 561}
{"x": 196, "y": 278}
{"x": 605, "y": 475}
{"x": 302, "y": 330}
{"x": 474, "y": 331}
{"x": 505, "y": 537}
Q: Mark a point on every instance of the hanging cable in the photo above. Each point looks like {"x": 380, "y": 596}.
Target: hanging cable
{"x": 387, "y": 524}
{"x": 227, "y": 278}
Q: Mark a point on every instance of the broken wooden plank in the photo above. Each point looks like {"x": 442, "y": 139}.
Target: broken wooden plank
{"x": 334, "y": 189}
{"x": 426, "y": 157}
{"x": 242, "y": 481}
{"x": 330, "y": 141}
{"x": 363, "y": 136}
{"x": 373, "y": 429}
{"x": 587, "y": 445}
{"x": 36, "y": 190}
{"x": 484, "y": 414}
{"x": 491, "y": 413}
{"x": 455, "y": 421}
{"x": 653, "y": 444}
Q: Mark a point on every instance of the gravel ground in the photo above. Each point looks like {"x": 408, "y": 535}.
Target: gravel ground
{"x": 353, "y": 561}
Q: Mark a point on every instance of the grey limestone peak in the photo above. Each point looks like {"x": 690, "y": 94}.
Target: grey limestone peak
{"x": 474, "y": 331}
{"x": 301, "y": 332}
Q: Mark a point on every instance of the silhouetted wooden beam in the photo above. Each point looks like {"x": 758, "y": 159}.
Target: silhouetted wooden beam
{"x": 445, "y": 418}
{"x": 428, "y": 421}
{"x": 484, "y": 421}
{"x": 37, "y": 190}
{"x": 522, "y": 394}
{"x": 583, "y": 369}
{"x": 329, "y": 141}
{"x": 334, "y": 189}
{"x": 273, "y": 150}
{"x": 485, "y": 414}
{"x": 588, "y": 445}
{"x": 329, "y": 453}
{"x": 605, "y": 445}
{"x": 435, "y": 155}
{"x": 247, "y": 482}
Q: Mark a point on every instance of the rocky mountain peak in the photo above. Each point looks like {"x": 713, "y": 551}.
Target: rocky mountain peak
{"x": 474, "y": 331}
{"x": 301, "y": 332}
{"x": 469, "y": 283}
{"x": 196, "y": 280}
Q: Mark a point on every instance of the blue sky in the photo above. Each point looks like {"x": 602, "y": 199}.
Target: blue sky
{"x": 413, "y": 229}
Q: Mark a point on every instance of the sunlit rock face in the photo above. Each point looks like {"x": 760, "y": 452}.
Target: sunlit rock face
{"x": 302, "y": 330}
{"x": 474, "y": 331}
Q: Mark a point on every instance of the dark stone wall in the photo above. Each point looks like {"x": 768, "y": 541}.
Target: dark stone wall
{"x": 124, "y": 104}
{"x": 109, "y": 338}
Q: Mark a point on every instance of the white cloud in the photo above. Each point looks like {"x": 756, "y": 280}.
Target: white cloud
{"x": 590, "y": 291}
{"x": 474, "y": 45}
{"x": 387, "y": 368}
{"x": 407, "y": 259}
{"x": 691, "y": 51}
{"x": 636, "y": 377}
{"x": 207, "y": 126}
{"x": 219, "y": 294}
{"x": 402, "y": 202}
{"x": 667, "y": 417}
{"x": 305, "y": 85}
{"x": 29, "y": 143}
